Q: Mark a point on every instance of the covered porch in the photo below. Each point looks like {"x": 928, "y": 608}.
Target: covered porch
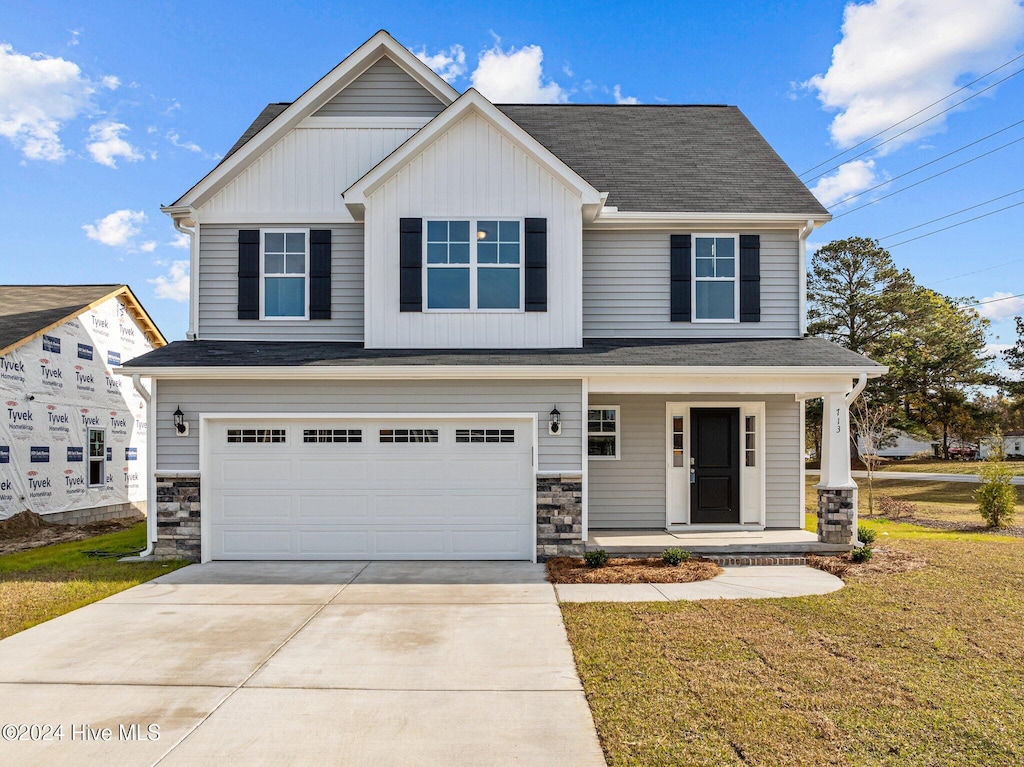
{"x": 794, "y": 544}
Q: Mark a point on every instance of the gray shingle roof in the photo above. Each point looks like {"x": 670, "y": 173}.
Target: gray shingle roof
{"x": 27, "y": 309}
{"x": 655, "y": 158}
{"x": 662, "y": 158}
{"x": 778, "y": 352}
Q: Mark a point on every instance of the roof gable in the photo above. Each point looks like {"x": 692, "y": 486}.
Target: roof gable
{"x": 470, "y": 103}
{"x": 348, "y": 71}
{"x": 383, "y": 90}
{"x": 28, "y": 311}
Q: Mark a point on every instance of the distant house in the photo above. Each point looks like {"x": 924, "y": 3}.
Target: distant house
{"x": 905, "y": 445}
{"x": 1013, "y": 445}
{"x": 72, "y": 434}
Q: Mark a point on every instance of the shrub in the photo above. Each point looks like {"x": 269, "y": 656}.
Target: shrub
{"x": 996, "y": 497}
{"x": 862, "y": 554}
{"x": 675, "y": 557}
{"x": 893, "y": 508}
{"x": 596, "y": 558}
{"x": 866, "y": 535}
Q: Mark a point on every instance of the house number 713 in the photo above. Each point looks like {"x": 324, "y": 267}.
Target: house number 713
{"x": 839, "y": 427}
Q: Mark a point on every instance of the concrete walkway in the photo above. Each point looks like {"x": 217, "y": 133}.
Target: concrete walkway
{"x": 333, "y": 663}
{"x": 734, "y": 583}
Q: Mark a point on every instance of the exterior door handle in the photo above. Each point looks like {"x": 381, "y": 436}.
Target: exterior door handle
{"x": 693, "y": 477}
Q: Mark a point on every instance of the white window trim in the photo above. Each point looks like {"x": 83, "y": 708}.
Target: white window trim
{"x": 305, "y": 276}
{"x": 617, "y": 433}
{"x": 473, "y": 266}
{"x": 88, "y": 456}
{"x": 694, "y": 279}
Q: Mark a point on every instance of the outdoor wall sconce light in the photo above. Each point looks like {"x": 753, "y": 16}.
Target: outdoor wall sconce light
{"x": 555, "y": 421}
{"x": 180, "y": 427}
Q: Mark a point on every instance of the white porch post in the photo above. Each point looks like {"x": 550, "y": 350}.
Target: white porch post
{"x": 837, "y": 492}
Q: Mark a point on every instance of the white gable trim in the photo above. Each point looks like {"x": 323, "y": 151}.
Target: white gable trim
{"x": 366, "y": 55}
{"x": 469, "y": 102}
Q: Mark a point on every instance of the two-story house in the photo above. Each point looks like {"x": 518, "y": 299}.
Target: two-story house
{"x": 426, "y": 326}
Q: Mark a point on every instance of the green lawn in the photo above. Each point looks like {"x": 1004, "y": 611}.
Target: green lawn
{"x": 42, "y": 583}
{"x": 939, "y": 466}
{"x": 918, "y": 668}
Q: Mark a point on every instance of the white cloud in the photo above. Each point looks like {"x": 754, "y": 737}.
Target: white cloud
{"x": 106, "y": 145}
{"x": 898, "y": 56}
{"x": 175, "y": 139}
{"x": 449, "y": 64}
{"x": 75, "y": 34}
{"x": 118, "y": 229}
{"x": 1004, "y": 306}
{"x": 111, "y": 82}
{"x": 38, "y": 95}
{"x": 620, "y": 99}
{"x": 173, "y": 285}
{"x": 516, "y": 76}
{"x": 180, "y": 241}
{"x": 148, "y": 246}
{"x": 849, "y": 179}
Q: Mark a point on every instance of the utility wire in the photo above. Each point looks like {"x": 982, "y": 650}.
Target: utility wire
{"x": 954, "y": 213}
{"x": 930, "y": 162}
{"x": 929, "y": 178}
{"x": 954, "y": 226}
{"x": 978, "y": 271}
{"x": 991, "y": 301}
{"x": 924, "y": 109}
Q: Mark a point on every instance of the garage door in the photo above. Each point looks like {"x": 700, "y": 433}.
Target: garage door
{"x": 361, "y": 489}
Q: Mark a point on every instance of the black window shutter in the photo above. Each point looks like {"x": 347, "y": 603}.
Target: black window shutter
{"x": 679, "y": 256}
{"x": 411, "y": 264}
{"x": 536, "y": 263}
{"x": 750, "y": 278}
{"x": 320, "y": 274}
{"x": 248, "y": 274}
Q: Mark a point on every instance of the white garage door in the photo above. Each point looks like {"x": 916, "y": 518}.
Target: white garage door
{"x": 361, "y": 489}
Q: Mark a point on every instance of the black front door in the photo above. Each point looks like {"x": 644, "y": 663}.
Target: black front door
{"x": 715, "y": 461}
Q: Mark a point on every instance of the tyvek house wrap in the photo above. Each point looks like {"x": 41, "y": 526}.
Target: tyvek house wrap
{"x": 53, "y": 389}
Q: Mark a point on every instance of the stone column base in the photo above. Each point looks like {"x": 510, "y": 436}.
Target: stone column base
{"x": 835, "y": 516}
{"x": 559, "y": 516}
{"x": 177, "y": 517}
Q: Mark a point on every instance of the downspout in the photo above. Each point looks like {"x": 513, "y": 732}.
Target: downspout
{"x": 193, "y": 272}
{"x": 150, "y": 464}
{"x": 802, "y": 267}
{"x": 862, "y": 381}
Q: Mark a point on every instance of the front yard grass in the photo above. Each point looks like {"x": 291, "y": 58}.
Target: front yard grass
{"x": 917, "y": 668}
{"x": 48, "y": 581}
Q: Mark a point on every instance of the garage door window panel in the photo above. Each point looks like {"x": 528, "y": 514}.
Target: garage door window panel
{"x": 331, "y": 436}
{"x": 392, "y": 436}
{"x": 256, "y": 436}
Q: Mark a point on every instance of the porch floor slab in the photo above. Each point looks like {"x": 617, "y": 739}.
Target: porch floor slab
{"x": 721, "y": 543}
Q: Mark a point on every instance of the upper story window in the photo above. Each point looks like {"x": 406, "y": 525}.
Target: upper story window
{"x": 473, "y": 265}
{"x": 284, "y": 266}
{"x": 715, "y": 284}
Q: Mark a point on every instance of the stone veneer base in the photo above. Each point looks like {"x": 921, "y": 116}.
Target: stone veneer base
{"x": 836, "y": 515}
{"x": 177, "y": 517}
{"x": 559, "y": 516}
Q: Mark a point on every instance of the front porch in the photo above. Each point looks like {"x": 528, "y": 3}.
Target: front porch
{"x": 726, "y": 544}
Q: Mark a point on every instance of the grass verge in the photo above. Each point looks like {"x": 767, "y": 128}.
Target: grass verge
{"x": 48, "y": 581}
{"x": 915, "y": 668}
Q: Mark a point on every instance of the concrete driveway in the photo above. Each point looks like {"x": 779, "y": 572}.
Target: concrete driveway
{"x": 335, "y": 663}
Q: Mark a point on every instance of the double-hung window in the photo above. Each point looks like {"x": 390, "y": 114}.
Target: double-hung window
{"x": 284, "y": 267}
{"x": 716, "y": 287}
{"x": 603, "y": 432}
{"x": 474, "y": 265}
{"x": 97, "y": 457}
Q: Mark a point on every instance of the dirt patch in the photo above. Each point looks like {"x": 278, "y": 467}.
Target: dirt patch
{"x": 27, "y": 530}
{"x": 626, "y": 570}
{"x": 883, "y": 562}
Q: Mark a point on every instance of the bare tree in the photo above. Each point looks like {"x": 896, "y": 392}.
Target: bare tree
{"x": 873, "y": 424}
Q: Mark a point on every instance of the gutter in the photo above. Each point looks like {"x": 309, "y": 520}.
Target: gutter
{"x": 802, "y": 272}
{"x": 150, "y": 459}
{"x": 862, "y": 381}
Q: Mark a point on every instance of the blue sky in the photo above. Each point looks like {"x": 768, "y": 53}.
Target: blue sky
{"x": 109, "y": 110}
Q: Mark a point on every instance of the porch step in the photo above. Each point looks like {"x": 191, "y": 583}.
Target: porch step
{"x": 755, "y": 560}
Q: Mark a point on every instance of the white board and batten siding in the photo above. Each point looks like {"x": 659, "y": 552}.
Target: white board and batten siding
{"x": 473, "y": 171}
{"x": 558, "y": 453}
{"x": 626, "y": 279}
{"x": 630, "y": 492}
{"x": 218, "y": 289}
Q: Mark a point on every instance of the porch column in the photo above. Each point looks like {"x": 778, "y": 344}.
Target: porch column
{"x": 837, "y": 492}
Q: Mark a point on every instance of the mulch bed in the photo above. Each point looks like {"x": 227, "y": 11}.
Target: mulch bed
{"x": 883, "y": 562}
{"x": 1017, "y": 531}
{"x": 628, "y": 570}
{"x": 27, "y": 530}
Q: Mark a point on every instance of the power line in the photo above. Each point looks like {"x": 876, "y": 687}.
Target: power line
{"x": 930, "y": 162}
{"x": 954, "y": 213}
{"x": 991, "y": 301}
{"x": 924, "y": 109}
{"x": 954, "y": 226}
{"x": 910, "y": 117}
{"x": 929, "y": 178}
{"x": 978, "y": 271}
